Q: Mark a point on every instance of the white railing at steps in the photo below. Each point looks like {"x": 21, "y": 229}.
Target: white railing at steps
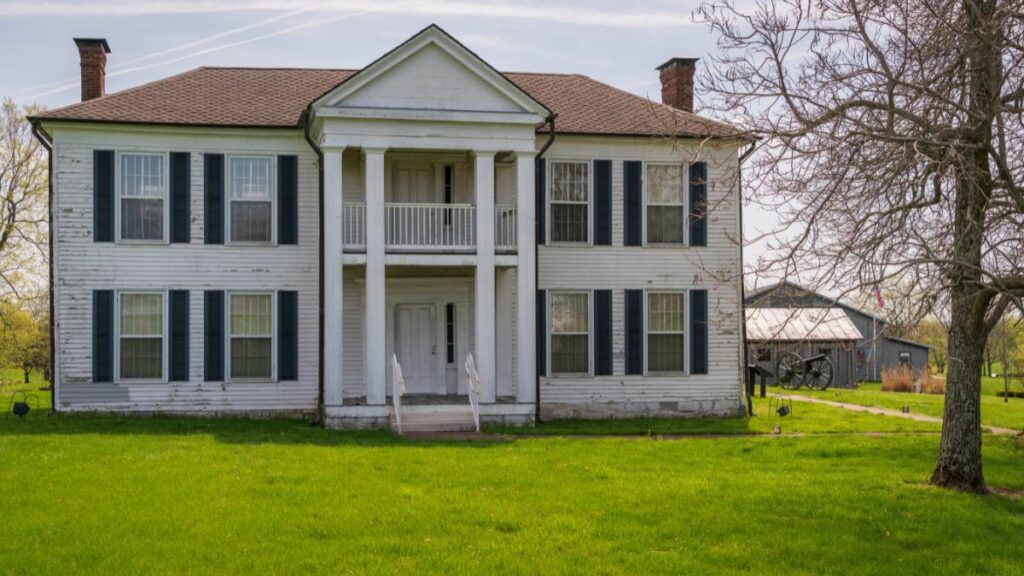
{"x": 505, "y": 227}
{"x": 474, "y": 389}
{"x": 429, "y": 226}
{"x": 397, "y": 389}
{"x": 353, "y": 225}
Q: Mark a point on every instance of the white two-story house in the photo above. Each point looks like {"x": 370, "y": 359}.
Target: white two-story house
{"x": 265, "y": 241}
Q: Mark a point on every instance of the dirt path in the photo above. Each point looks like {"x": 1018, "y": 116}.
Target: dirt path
{"x": 888, "y": 412}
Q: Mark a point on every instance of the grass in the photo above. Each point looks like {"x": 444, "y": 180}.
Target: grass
{"x": 12, "y": 380}
{"x": 994, "y": 411}
{"x": 101, "y": 494}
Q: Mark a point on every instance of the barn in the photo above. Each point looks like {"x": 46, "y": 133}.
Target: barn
{"x": 807, "y": 332}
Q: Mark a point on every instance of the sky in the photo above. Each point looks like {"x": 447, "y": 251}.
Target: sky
{"x": 615, "y": 42}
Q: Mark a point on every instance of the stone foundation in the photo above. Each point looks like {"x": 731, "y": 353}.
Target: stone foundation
{"x": 608, "y": 410}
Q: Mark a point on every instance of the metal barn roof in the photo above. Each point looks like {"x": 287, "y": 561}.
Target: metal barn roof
{"x": 800, "y": 325}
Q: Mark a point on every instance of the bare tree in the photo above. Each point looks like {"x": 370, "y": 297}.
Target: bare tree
{"x": 892, "y": 143}
{"x": 24, "y": 184}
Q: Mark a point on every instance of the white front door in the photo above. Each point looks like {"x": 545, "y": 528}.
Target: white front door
{"x": 415, "y": 347}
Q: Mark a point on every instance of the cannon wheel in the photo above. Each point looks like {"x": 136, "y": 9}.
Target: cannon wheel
{"x": 819, "y": 374}
{"x": 789, "y": 371}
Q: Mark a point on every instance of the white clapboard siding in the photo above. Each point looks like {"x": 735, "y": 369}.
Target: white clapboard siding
{"x": 715, "y": 268}
{"x": 83, "y": 266}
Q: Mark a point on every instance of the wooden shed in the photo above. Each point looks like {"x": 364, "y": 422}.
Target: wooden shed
{"x": 808, "y": 332}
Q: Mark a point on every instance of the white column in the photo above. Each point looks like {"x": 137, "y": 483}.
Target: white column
{"x": 485, "y": 320}
{"x": 375, "y": 332}
{"x": 526, "y": 279}
{"x": 504, "y": 359}
{"x": 333, "y": 307}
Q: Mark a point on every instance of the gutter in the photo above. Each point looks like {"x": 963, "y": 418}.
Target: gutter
{"x": 47, "y": 141}
{"x": 306, "y": 127}
{"x": 743, "y": 289}
{"x": 550, "y": 120}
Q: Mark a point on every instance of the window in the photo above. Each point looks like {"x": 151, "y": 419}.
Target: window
{"x": 570, "y": 196}
{"x": 251, "y": 199}
{"x": 904, "y": 358}
{"x": 142, "y": 336}
{"x": 142, "y": 197}
{"x": 825, "y": 351}
{"x": 251, "y": 336}
{"x": 449, "y": 330}
{"x": 449, "y": 192}
{"x": 570, "y": 333}
{"x": 764, "y": 354}
{"x": 665, "y": 338}
{"x": 666, "y": 204}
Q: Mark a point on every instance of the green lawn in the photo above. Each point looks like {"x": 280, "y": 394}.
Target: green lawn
{"x": 994, "y": 410}
{"x": 103, "y": 495}
{"x": 12, "y": 380}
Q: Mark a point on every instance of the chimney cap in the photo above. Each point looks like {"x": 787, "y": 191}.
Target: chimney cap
{"x": 90, "y": 42}
{"x": 677, "y": 61}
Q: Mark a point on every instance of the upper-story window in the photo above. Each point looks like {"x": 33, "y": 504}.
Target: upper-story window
{"x": 666, "y": 204}
{"x": 141, "y": 335}
{"x": 142, "y": 191}
{"x": 570, "y": 200}
{"x": 251, "y": 199}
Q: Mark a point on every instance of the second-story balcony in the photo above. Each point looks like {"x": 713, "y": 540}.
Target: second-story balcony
{"x": 423, "y": 227}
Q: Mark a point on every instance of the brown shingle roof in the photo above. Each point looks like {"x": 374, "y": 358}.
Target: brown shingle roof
{"x": 277, "y": 97}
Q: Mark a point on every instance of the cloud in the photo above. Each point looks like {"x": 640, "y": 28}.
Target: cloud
{"x": 575, "y": 15}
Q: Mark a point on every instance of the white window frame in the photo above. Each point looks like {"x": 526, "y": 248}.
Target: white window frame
{"x": 590, "y": 334}
{"x": 273, "y": 334}
{"x": 686, "y": 333}
{"x": 165, "y": 158}
{"x": 686, "y": 205}
{"x": 549, "y": 184}
{"x": 228, "y": 196}
{"x": 164, "y": 336}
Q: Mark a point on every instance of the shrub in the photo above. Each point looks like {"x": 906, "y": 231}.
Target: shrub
{"x": 932, "y": 384}
{"x": 899, "y": 379}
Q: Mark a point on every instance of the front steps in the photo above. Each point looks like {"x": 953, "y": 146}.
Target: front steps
{"x": 427, "y": 418}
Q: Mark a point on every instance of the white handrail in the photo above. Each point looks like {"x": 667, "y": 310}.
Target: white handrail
{"x": 505, "y": 227}
{"x": 420, "y": 226}
{"x": 397, "y": 389}
{"x": 474, "y": 389}
{"x": 353, "y": 225}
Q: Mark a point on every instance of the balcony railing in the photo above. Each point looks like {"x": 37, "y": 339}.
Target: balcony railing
{"x": 428, "y": 227}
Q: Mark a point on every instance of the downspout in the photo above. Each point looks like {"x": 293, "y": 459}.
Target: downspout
{"x": 743, "y": 288}
{"x": 306, "y": 127}
{"x": 47, "y": 143}
{"x": 550, "y": 120}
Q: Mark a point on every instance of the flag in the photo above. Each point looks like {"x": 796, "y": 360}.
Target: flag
{"x": 878, "y": 298}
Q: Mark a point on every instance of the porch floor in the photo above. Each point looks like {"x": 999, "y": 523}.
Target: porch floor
{"x": 430, "y": 400}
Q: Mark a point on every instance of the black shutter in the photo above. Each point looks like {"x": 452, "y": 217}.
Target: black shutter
{"x": 541, "y": 208}
{"x": 178, "y": 311}
{"x": 213, "y": 336}
{"x": 698, "y": 204}
{"x": 633, "y": 195}
{"x": 287, "y": 335}
{"x": 102, "y": 335}
{"x": 103, "y": 195}
{"x": 287, "y": 199}
{"x": 542, "y": 333}
{"x": 213, "y": 187}
{"x": 181, "y": 171}
{"x": 634, "y": 331}
{"x": 603, "y": 332}
{"x": 603, "y": 202}
{"x": 698, "y": 331}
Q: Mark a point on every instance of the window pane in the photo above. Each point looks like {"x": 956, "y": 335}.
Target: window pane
{"x": 665, "y": 352}
{"x": 250, "y": 357}
{"x": 665, "y": 225}
{"x": 250, "y": 178}
{"x": 250, "y": 221}
{"x": 142, "y": 314}
{"x": 569, "y": 222}
{"x": 665, "y": 312}
{"x": 142, "y": 175}
{"x": 142, "y": 219}
{"x": 569, "y": 354}
{"x": 141, "y": 358}
{"x": 664, "y": 184}
{"x": 570, "y": 181}
{"x": 569, "y": 313}
{"x": 250, "y": 314}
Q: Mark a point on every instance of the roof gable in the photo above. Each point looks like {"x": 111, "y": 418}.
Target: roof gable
{"x": 431, "y": 71}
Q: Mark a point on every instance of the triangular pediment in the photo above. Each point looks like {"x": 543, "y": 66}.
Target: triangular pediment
{"x": 431, "y": 72}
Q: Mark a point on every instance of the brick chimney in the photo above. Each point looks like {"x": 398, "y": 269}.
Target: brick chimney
{"x": 677, "y": 82}
{"x": 92, "y": 53}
